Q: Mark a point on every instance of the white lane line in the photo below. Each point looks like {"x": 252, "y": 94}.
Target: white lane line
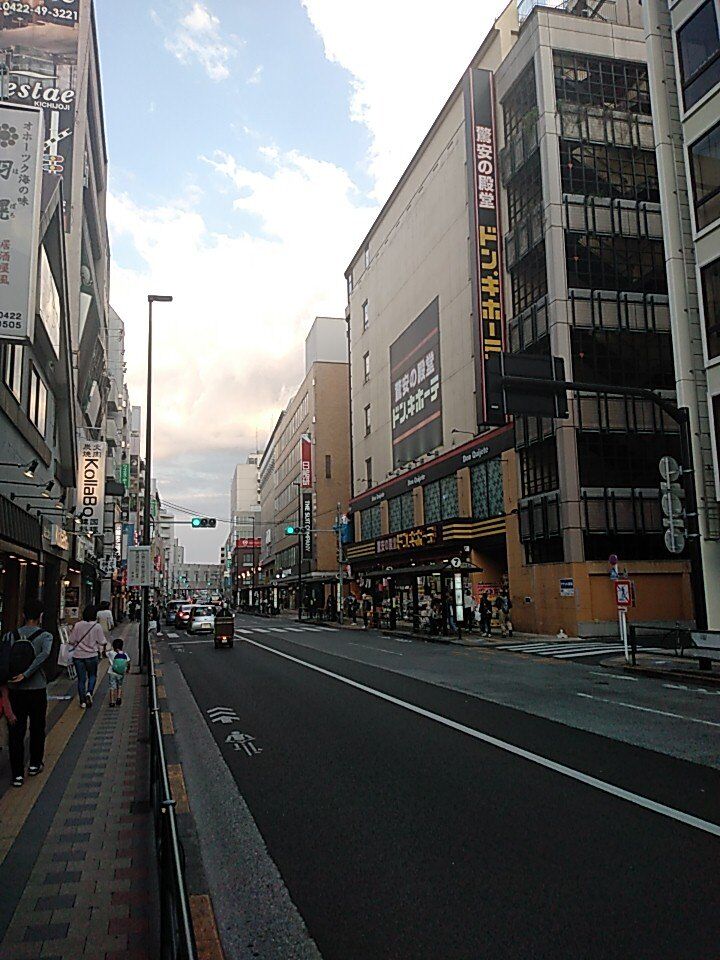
{"x": 294, "y": 629}
{"x": 616, "y": 676}
{"x": 588, "y": 653}
{"x": 183, "y": 643}
{"x": 367, "y": 646}
{"x": 640, "y": 801}
{"x": 662, "y": 713}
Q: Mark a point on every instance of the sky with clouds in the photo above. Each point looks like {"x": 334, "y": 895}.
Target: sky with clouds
{"x": 251, "y": 144}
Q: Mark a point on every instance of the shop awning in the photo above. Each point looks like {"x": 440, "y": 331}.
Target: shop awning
{"x": 420, "y": 570}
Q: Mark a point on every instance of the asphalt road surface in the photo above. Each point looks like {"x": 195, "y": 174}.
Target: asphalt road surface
{"x": 416, "y": 819}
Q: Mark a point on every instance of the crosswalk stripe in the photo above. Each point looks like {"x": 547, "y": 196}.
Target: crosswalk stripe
{"x": 590, "y": 653}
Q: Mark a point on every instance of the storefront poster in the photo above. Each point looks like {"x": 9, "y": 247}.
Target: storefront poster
{"x": 415, "y": 388}
{"x": 486, "y": 260}
{"x": 91, "y": 485}
{"x": 307, "y": 537}
{"x": 20, "y": 186}
{"x": 40, "y": 42}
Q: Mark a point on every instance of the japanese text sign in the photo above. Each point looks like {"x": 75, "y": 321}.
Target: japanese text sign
{"x": 415, "y": 385}
{"x": 21, "y": 132}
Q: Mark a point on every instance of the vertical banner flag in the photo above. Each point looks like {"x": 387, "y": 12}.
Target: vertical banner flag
{"x": 485, "y": 258}
{"x": 20, "y": 185}
{"x": 39, "y": 41}
{"x": 91, "y": 485}
{"x": 306, "y": 461}
{"x": 306, "y": 521}
{"x": 415, "y": 394}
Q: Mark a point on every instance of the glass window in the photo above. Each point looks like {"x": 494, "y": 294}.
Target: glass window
{"x": 367, "y": 420}
{"x": 433, "y": 502}
{"x": 366, "y": 316}
{"x": 486, "y": 488}
{"x": 367, "y": 257}
{"x": 37, "y": 401}
{"x": 604, "y": 170}
{"x": 366, "y": 367}
{"x": 699, "y": 54}
{"x": 328, "y": 466}
{"x": 599, "y": 262}
{"x": 370, "y": 522}
{"x": 705, "y": 173}
{"x": 449, "y": 494}
{"x": 710, "y": 278}
{"x": 368, "y": 471}
{"x": 401, "y": 512}
{"x": 441, "y": 500}
{"x": 349, "y": 285}
{"x": 12, "y": 367}
{"x": 614, "y": 84}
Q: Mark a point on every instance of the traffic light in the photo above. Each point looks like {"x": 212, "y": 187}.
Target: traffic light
{"x": 203, "y": 522}
{"x": 291, "y": 531}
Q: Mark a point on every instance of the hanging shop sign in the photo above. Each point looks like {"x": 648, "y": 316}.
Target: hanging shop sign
{"x": 415, "y": 388}
{"x": 20, "y": 188}
{"x": 306, "y": 461}
{"x": 39, "y": 42}
{"x": 487, "y": 294}
{"x": 408, "y": 539}
{"x": 307, "y": 537}
{"x": 91, "y": 484}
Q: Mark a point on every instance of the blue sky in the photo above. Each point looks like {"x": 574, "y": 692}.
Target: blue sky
{"x": 251, "y": 143}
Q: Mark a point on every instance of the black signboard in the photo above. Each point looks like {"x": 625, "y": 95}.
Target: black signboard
{"x": 306, "y": 522}
{"x": 415, "y": 388}
{"x": 490, "y": 445}
{"x": 485, "y": 259}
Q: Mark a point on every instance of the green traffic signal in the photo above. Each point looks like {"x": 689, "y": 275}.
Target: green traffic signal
{"x": 203, "y": 521}
{"x": 196, "y": 521}
{"x": 290, "y": 531}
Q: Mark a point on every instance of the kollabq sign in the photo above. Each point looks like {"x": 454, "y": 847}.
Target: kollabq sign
{"x": 91, "y": 484}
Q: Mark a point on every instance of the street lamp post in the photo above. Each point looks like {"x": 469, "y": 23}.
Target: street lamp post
{"x": 152, "y": 298}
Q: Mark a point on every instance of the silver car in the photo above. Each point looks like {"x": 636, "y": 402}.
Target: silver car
{"x": 202, "y": 620}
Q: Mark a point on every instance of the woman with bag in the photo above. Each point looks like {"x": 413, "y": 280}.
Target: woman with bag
{"x": 87, "y": 641}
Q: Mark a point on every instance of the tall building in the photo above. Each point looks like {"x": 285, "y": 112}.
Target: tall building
{"x": 305, "y": 475}
{"x": 528, "y": 221}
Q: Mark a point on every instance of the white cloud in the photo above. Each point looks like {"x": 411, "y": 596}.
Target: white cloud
{"x": 405, "y": 58}
{"x": 256, "y": 76}
{"x": 228, "y": 350}
{"x": 198, "y": 38}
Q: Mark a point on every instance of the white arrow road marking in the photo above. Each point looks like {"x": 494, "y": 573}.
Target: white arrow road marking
{"x": 680, "y": 816}
{"x": 367, "y": 646}
{"x": 662, "y": 713}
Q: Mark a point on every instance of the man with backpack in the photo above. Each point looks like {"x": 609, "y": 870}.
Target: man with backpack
{"x": 503, "y": 605}
{"x": 22, "y": 654}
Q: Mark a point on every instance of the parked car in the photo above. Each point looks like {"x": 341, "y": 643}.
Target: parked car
{"x": 182, "y": 617}
{"x": 171, "y": 610}
{"x": 202, "y": 620}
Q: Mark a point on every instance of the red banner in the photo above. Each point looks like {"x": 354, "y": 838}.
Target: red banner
{"x": 247, "y": 543}
{"x": 305, "y": 457}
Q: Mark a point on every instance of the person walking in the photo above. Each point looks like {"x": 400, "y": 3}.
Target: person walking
{"x": 119, "y": 666}
{"x": 485, "y": 615}
{"x": 105, "y": 617}
{"x": 87, "y": 641}
{"x": 28, "y": 648}
{"x": 366, "y": 609}
{"x": 503, "y": 605}
{"x": 468, "y": 609}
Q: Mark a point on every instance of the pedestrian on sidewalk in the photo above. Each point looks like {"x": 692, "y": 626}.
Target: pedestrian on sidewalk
{"x": 29, "y": 648}
{"x": 468, "y": 609}
{"x": 485, "y": 615}
{"x": 503, "y": 605}
{"x": 119, "y": 666}
{"x": 105, "y": 617}
{"x": 87, "y": 641}
{"x": 366, "y": 609}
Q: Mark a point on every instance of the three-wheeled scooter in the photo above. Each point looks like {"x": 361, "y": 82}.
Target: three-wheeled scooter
{"x": 224, "y": 630}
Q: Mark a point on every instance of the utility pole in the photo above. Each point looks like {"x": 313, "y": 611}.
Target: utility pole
{"x": 338, "y": 524}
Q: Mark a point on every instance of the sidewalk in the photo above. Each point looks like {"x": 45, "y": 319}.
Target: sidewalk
{"x": 77, "y": 865}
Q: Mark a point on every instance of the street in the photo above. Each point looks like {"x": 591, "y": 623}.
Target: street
{"x": 419, "y": 802}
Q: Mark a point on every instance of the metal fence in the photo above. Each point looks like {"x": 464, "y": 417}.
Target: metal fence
{"x": 177, "y": 940}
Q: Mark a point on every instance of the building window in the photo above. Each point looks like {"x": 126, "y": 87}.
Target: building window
{"x": 705, "y": 174}
{"x": 367, "y": 257}
{"x": 368, "y": 471}
{"x": 367, "y": 420}
{"x": 366, "y": 316}
{"x": 529, "y": 279}
{"x": 602, "y": 82}
{"x": 631, "y": 264}
{"x": 401, "y": 512}
{"x": 12, "y": 367}
{"x": 716, "y": 418}
{"x": 441, "y": 499}
{"x": 37, "y": 401}
{"x": 603, "y": 170}
{"x": 520, "y": 101}
{"x": 710, "y": 279}
{"x": 699, "y": 54}
{"x": 366, "y": 367}
{"x": 328, "y": 466}
{"x": 486, "y": 488}
{"x": 349, "y": 285}
{"x": 370, "y": 523}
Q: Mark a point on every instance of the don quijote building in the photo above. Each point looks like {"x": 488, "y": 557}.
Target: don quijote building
{"x": 529, "y": 221}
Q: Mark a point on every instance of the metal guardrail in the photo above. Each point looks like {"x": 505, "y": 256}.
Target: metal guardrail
{"x": 177, "y": 940}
